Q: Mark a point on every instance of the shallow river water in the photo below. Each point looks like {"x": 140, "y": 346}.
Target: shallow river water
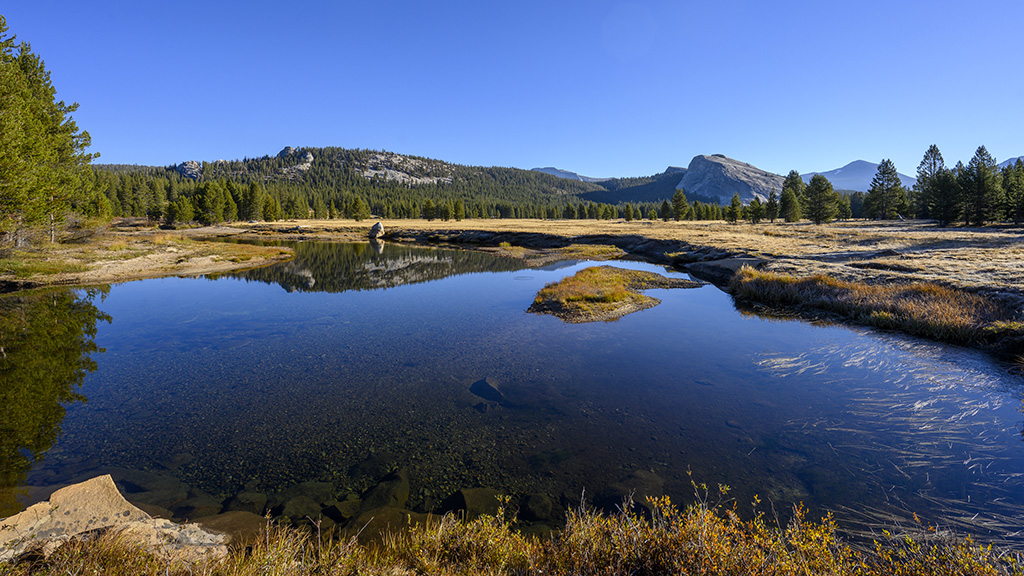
{"x": 347, "y": 364}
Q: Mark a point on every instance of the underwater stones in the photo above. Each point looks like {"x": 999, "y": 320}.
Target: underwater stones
{"x": 240, "y": 527}
{"x": 150, "y": 488}
{"x": 473, "y": 501}
{"x": 373, "y": 525}
{"x": 318, "y": 492}
{"x": 487, "y": 389}
{"x": 638, "y": 486}
{"x": 537, "y": 507}
{"x": 343, "y": 511}
{"x": 254, "y": 502}
{"x": 377, "y": 230}
{"x": 300, "y": 507}
{"x": 197, "y": 505}
{"x": 392, "y": 491}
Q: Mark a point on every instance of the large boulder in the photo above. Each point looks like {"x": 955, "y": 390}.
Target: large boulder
{"x": 377, "y": 230}
{"x": 94, "y": 505}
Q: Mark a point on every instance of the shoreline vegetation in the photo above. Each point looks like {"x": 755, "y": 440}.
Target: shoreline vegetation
{"x": 702, "y": 538}
{"x": 602, "y": 294}
{"x": 920, "y": 308}
{"x": 954, "y": 264}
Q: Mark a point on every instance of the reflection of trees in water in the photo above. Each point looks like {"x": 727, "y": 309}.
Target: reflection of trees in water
{"x": 338, "y": 267}
{"x": 46, "y": 344}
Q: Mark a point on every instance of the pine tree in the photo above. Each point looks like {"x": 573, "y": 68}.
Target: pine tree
{"x": 679, "y": 204}
{"x": 929, "y": 168}
{"x": 981, "y": 188}
{"x": 735, "y": 209}
{"x": 789, "y": 206}
{"x": 1013, "y": 191}
{"x": 755, "y": 211}
{"x": 845, "y": 211}
{"x": 886, "y": 198}
{"x": 795, "y": 183}
{"x": 42, "y": 161}
{"x": 771, "y": 208}
{"x": 821, "y": 200}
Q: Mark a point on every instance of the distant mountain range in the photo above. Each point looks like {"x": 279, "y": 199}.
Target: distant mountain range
{"x": 856, "y": 175}
{"x": 568, "y": 175}
{"x": 1009, "y": 161}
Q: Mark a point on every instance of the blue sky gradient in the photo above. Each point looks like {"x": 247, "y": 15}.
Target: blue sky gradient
{"x": 603, "y": 88}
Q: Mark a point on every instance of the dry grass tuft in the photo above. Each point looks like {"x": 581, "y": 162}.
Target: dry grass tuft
{"x": 602, "y": 293}
{"x": 918, "y": 308}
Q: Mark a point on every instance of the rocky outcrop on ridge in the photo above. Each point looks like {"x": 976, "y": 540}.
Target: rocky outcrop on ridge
{"x": 190, "y": 169}
{"x": 720, "y": 177}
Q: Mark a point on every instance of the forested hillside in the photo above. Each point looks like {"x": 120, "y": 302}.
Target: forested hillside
{"x": 336, "y": 182}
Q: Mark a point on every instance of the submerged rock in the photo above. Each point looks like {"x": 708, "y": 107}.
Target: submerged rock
{"x": 241, "y": 528}
{"x": 537, "y": 507}
{"x": 392, "y": 491}
{"x": 487, "y": 389}
{"x": 254, "y": 502}
{"x": 373, "y": 525}
{"x": 473, "y": 501}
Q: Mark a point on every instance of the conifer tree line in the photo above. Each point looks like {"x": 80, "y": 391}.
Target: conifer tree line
{"x": 974, "y": 194}
{"x": 45, "y": 176}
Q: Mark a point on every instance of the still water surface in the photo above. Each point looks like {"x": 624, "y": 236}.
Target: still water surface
{"x": 346, "y": 364}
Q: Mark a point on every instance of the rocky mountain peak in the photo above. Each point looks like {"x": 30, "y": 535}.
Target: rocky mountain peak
{"x": 719, "y": 176}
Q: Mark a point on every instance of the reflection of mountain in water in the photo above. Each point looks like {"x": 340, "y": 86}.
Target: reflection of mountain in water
{"x": 46, "y": 344}
{"x": 337, "y": 267}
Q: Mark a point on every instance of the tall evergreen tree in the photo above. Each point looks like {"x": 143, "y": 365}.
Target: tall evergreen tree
{"x": 771, "y": 208}
{"x": 755, "y": 211}
{"x": 821, "y": 200}
{"x": 929, "y": 168}
{"x": 679, "y": 205}
{"x": 1013, "y": 191}
{"x": 981, "y": 188}
{"x": 789, "y": 206}
{"x": 735, "y": 210}
{"x": 43, "y": 162}
{"x": 795, "y": 183}
{"x": 944, "y": 198}
{"x": 886, "y": 198}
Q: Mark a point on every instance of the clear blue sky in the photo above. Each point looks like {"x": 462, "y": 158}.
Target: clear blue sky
{"x": 603, "y": 88}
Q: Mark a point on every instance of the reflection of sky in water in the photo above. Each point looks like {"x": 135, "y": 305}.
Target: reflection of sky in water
{"x": 237, "y": 382}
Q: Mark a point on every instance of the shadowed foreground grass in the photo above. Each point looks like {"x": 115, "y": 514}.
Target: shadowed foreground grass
{"x": 697, "y": 540}
{"x": 919, "y": 308}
